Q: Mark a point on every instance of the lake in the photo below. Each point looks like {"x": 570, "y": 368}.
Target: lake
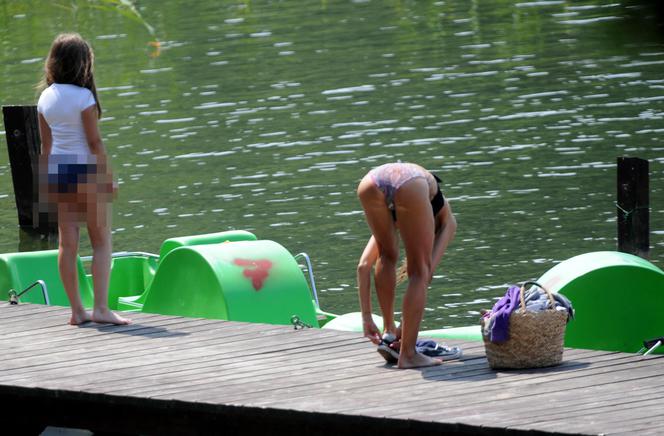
{"x": 264, "y": 116}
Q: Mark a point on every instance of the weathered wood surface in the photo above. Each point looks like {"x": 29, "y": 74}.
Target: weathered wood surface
{"x": 178, "y": 375}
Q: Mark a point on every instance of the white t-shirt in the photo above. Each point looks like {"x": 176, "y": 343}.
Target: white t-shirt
{"x": 61, "y": 105}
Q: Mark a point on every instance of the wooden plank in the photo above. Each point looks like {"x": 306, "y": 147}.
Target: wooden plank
{"x": 516, "y": 385}
{"x": 333, "y": 386}
{"x": 444, "y": 406}
{"x": 457, "y": 371}
{"x": 55, "y": 336}
{"x": 449, "y": 394}
{"x": 606, "y": 417}
{"x": 85, "y": 361}
{"x": 609, "y": 415}
{"x": 308, "y": 370}
{"x": 209, "y": 369}
{"x": 53, "y": 323}
{"x": 136, "y": 333}
{"x": 33, "y": 312}
{"x": 20, "y": 310}
{"x": 588, "y": 396}
{"x": 529, "y": 406}
{"x": 235, "y": 375}
{"x": 69, "y": 339}
{"x": 118, "y": 345}
{"x": 652, "y": 424}
{"x": 235, "y": 363}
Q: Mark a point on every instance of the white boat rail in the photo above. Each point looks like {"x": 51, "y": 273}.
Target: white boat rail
{"x": 125, "y": 254}
{"x": 14, "y": 296}
{"x": 310, "y": 269}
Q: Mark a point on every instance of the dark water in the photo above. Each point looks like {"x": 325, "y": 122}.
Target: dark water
{"x": 264, "y": 116}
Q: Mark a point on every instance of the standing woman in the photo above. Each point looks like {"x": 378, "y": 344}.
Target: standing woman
{"x": 402, "y": 197}
{"x": 79, "y": 181}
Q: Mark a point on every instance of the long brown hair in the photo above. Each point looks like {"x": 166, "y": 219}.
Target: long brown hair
{"x": 71, "y": 61}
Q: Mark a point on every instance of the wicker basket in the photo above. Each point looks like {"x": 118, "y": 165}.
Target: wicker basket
{"x": 535, "y": 338}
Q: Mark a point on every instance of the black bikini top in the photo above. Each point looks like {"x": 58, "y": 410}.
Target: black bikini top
{"x": 437, "y": 202}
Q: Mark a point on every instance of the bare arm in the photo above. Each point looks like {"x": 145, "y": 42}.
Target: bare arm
{"x": 46, "y": 136}
{"x": 446, "y": 226}
{"x": 104, "y": 173}
{"x": 92, "y": 135}
{"x": 364, "y": 269}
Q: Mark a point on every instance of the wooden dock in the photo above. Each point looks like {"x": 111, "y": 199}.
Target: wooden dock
{"x": 175, "y": 375}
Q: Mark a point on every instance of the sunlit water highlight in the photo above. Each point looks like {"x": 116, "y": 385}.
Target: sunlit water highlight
{"x": 265, "y": 116}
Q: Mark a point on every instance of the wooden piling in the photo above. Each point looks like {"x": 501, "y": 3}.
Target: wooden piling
{"x": 633, "y": 206}
{"x": 23, "y": 146}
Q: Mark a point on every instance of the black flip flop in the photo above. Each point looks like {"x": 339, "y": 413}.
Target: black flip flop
{"x": 389, "y": 354}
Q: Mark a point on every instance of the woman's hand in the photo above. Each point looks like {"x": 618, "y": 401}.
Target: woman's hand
{"x": 371, "y": 332}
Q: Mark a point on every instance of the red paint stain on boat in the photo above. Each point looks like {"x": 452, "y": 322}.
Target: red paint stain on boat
{"x": 256, "y": 270}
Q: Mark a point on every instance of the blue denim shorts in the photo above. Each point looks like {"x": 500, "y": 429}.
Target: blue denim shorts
{"x": 67, "y": 171}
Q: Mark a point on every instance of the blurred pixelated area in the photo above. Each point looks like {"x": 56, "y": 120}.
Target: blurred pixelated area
{"x": 76, "y": 188}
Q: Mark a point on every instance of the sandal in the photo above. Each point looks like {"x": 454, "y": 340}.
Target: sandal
{"x": 389, "y": 354}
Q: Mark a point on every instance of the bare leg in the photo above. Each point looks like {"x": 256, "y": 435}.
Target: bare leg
{"x": 100, "y": 239}
{"x": 382, "y": 227}
{"x": 385, "y": 279}
{"x": 67, "y": 262}
{"x": 416, "y": 226}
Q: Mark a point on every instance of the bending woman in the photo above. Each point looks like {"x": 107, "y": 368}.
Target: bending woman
{"x": 407, "y": 198}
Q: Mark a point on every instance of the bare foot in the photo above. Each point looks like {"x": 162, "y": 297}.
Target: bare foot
{"x": 79, "y": 318}
{"x": 417, "y": 361}
{"x": 108, "y": 317}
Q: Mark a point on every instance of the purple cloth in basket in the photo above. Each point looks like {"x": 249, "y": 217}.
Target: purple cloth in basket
{"x": 500, "y": 332}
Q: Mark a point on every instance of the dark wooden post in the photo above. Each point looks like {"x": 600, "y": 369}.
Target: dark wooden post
{"x": 633, "y": 206}
{"x": 23, "y": 146}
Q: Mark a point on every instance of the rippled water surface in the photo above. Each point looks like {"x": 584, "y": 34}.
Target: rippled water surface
{"x": 264, "y": 116}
